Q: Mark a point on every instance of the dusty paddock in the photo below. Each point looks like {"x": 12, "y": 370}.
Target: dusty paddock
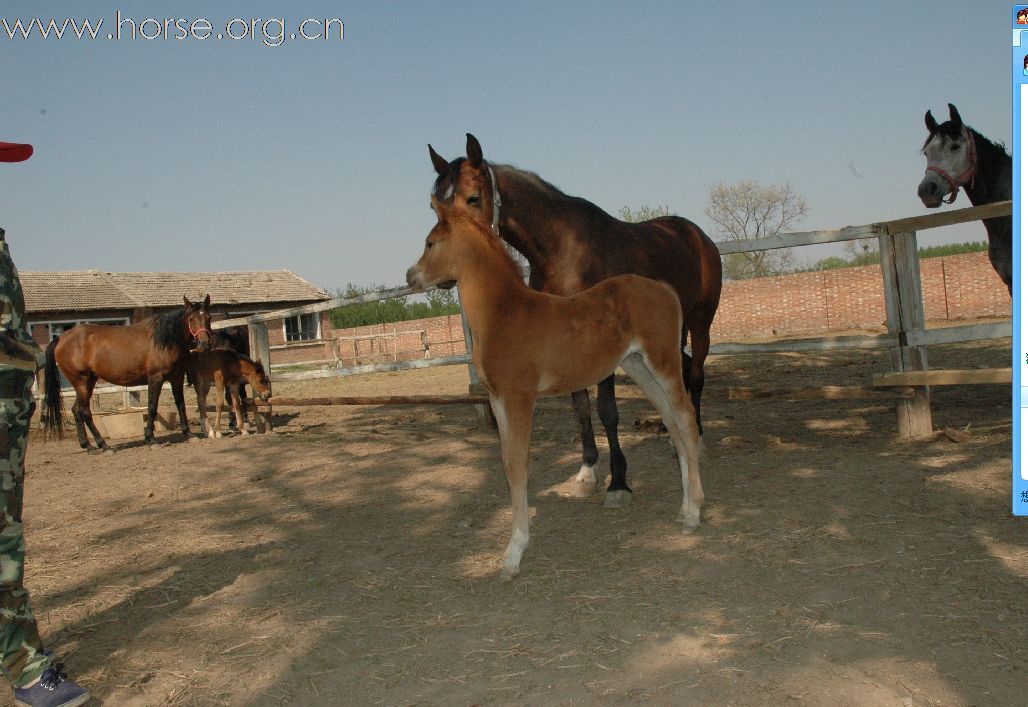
{"x": 351, "y": 558}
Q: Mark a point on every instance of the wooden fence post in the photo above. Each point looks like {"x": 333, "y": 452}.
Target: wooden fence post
{"x": 260, "y": 350}
{"x": 132, "y": 399}
{"x": 484, "y": 413}
{"x": 904, "y": 311}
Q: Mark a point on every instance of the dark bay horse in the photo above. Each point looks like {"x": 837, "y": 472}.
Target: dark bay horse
{"x": 572, "y": 244}
{"x": 528, "y": 344}
{"x": 151, "y": 352}
{"x": 960, "y": 156}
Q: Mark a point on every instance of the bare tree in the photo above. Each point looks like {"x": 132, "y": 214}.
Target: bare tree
{"x": 750, "y": 210}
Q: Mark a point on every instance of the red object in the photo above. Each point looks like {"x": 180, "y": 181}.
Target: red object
{"x": 14, "y": 152}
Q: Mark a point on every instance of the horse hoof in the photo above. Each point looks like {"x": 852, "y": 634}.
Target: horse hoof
{"x": 689, "y": 521}
{"x": 216, "y": 435}
{"x": 508, "y": 573}
{"x": 243, "y": 432}
{"x": 622, "y": 498}
{"x": 581, "y": 489}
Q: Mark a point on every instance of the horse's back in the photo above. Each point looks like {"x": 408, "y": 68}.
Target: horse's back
{"x": 670, "y": 249}
{"x": 117, "y": 354}
{"x": 617, "y": 309}
{"x": 645, "y": 299}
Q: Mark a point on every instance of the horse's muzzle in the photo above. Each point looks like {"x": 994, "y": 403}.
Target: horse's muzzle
{"x": 930, "y": 193}
{"x": 414, "y": 279}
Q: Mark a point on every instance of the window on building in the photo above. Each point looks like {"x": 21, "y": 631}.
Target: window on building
{"x": 303, "y": 327}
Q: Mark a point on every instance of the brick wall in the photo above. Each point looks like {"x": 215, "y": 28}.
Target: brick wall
{"x": 954, "y": 287}
{"x": 401, "y": 341}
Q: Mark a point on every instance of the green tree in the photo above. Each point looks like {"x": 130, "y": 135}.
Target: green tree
{"x": 858, "y": 255}
{"x": 750, "y": 210}
{"x": 398, "y": 309}
{"x": 643, "y": 213}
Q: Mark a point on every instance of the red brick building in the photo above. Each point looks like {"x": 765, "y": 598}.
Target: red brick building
{"x": 57, "y": 301}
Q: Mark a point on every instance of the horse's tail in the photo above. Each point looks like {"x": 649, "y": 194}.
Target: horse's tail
{"x": 53, "y": 405}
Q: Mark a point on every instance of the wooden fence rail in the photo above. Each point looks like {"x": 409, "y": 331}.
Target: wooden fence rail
{"x": 907, "y": 338}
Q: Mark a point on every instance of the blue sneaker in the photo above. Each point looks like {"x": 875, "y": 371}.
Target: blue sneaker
{"x": 53, "y": 689}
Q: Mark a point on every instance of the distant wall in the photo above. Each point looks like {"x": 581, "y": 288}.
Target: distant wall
{"x": 954, "y": 286}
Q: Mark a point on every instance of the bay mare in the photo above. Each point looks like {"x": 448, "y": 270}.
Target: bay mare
{"x": 572, "y": 244}
{"x": 527, "y": 344}
{"x": 960, "y": 156}
{"x": 149, "y": 352}
{"x": 228, "y": 370}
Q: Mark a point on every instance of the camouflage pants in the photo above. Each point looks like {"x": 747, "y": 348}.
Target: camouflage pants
{"x": 20, "y": 647}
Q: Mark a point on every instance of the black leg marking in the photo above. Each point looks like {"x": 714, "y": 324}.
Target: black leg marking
{"x": 584, "y": 415}
{"x": 607, "y": 407}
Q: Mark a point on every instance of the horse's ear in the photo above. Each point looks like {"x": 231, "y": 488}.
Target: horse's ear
{"x": 474, "y": 151}
{"x": 953, "y": 115}
{"x": 189, "y": 305}
{"x": 206, "y": 301}
{"x": 439, "y": 162}
{"x": 930, "y": 122}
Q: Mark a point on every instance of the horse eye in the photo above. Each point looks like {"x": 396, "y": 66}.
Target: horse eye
{"x": 428, "y": 244}
{"x": 473, "y": 199}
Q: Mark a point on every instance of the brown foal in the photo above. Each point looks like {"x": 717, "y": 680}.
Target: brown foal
{"x": 528, "y": 344}
{"x": 226, "y": 369}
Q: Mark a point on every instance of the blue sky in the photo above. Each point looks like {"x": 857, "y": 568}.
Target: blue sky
{"x": 222, "y": 155}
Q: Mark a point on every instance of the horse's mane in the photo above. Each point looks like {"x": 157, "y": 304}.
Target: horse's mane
{"x": 534, "y": 180}
{"x": 952, "y": 130}
{"x": 492, "y": 240}
{"x": 546, "y": 191}
{"x": 243, "y": 357}
{"x": 994, "y": 149}
{"x": 444, "y": 181}
{"x": 168, "y": 328}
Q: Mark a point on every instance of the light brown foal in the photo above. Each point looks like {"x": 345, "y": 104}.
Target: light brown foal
{"x": 225, "y": 367}
{"x": 528, "y": 344}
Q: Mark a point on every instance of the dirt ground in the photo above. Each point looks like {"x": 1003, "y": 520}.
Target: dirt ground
{"x": 351, "y": 557}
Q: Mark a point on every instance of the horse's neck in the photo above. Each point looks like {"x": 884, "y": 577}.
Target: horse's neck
{"x": 488, "y": 286}
{"x": 992, "y": 181}
{"x": 533, "y": 220}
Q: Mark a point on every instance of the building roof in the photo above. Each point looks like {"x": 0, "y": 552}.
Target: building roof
{"x": 83, "y": 290}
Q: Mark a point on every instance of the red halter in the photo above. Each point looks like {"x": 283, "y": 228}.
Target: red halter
{"x": 967, "y": 174}
{"x": 195, "y": 334}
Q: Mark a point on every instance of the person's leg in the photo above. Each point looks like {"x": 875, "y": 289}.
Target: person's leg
{"x": 36, "y": 680}
{"x": 21, "y": 651}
